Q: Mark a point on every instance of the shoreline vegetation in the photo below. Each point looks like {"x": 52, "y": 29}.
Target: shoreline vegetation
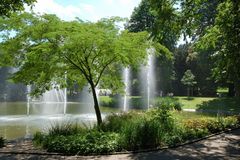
{"x": 133, "y": 131}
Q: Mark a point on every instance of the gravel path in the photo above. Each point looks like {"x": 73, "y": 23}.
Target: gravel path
{"x": 225, "y": 146}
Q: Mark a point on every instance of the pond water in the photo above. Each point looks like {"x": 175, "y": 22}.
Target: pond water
{"x": 22, "y": 119}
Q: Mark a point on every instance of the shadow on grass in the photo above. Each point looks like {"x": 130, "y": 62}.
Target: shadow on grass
{"x": 231, "y": 105}
{"x": 189, "y": 98}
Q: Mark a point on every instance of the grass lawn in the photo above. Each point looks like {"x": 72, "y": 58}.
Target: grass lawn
{"x": 204, "y": 103}
{"x": 193, "y": 102}
{"x": 182, "y": 116}
{"x": 208, "y": 103}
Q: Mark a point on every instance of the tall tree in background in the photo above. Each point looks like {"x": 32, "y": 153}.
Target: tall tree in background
{"x": 188, "y": 80}
{"x": 162, "y": 29}
{"x": 166, "y": 29}
{"x": 223, "y": 37}
{"x": 142, "y": 19}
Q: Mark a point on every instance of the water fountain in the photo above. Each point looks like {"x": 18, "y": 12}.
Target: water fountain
{"x": 126, "y": 77}
{"x": 28, "y": 99}
{"x": 147, "y": 78}
{"x": 22, "y": 119}
{"x": 151, "y": 79}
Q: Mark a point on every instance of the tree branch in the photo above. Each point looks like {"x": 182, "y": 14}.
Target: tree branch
{"x": 97, "y": 54}
{"x": 78, "y": 67}
{"x": 103, "y": 69}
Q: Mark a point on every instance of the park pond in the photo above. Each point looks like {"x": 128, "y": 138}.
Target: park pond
{"x": 20, "y": 119}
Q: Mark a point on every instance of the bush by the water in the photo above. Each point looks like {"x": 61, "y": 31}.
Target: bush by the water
{"x": 168, "y": 102}
{"x": 130, "y": 131}
{"x": 1, "y": 142}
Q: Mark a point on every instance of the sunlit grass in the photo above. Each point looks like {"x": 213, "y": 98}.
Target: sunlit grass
{"x": 192, "y": 102}
{"x": 180, "y": 116}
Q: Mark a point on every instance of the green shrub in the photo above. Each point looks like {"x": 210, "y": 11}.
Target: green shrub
{"x": 141, "y": 134}
{"x": 38, "y": 139}
{"x": 199, "y": 124}
{"x": 181, "y": 134}
{"x": 65, "y": 128}
{"x": 111, "y": 101}
{"x": 164, "y": 116}
{"x": 231, "y": 122}
{"x": 90, "y": 143}
{"x": 138, "y": 102}
{"x": 171, "y": 103}
{"x": 211, "y": 125}
{"x": 1, "y": 142}
{"x": 115, "y": 122}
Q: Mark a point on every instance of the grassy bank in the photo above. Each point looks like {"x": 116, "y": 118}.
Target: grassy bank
{"x": 226, "y": 104}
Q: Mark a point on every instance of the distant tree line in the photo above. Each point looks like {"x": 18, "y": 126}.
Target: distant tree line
{"x": 211, "y": 33}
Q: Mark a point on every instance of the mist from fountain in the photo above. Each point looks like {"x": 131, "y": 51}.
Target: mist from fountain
{"x": 51, "y": 102}
{"x": 126, "y": 78}
{"x": 86, "y": 100}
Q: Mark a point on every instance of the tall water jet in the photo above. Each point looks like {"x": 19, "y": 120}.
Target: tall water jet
{"x": 28, "y": 99}
{"x": 151, "y": 79}
{"x": 65, "y": 101}
{"x": 147, "y": 79}
{"x": 126, "y": 77}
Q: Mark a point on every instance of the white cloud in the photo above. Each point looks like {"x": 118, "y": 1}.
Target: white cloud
{"x": 88, "y": 8}
{"x": 68, "y": 12}
{"x": 108, "y": 2}
{"x": 92, "y": 11}
{"x": 125, "y": 2}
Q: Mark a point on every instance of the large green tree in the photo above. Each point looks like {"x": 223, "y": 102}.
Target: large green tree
{"x": 142, "y": 19}
{"x": 47, "y": 49}
{"x": 223, "y": 38}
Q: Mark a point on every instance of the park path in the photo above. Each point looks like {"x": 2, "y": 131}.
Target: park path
{"x": 225, "y": 146}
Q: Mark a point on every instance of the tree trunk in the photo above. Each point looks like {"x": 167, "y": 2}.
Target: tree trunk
{"x": 96, "y": 106}
{"x": 237, "y": 88}
{"x": 188, "y": 91}
{"x": 231, "y": 90}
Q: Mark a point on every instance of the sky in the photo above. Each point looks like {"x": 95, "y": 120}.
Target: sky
{"x": 87, "y": 10}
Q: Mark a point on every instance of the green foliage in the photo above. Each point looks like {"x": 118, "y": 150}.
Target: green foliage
{"x": 216, "y": 23}
{"x": 141, "y": 134}
{"x": 188, "y": 79}
{"x": 131, "y": 131}
{"x": 65, "y": 128}
{"x": 166, "y": 28}
{"x": 112, "y": 101}
{"x": 93, "y": 142}
{"x": 211, "y": 125}
{"x": 115, "y": 122}
{"x": 9, "y": 6}
{"x": 39, "y": 138}
{"x": 163, "y": 115}
{"x": 228, "y": 105}
{"x": 168, "y": 103}
{"x": 1, "y": 142}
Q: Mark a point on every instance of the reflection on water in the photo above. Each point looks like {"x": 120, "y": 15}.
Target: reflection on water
{"x": 41, "y": 108}
{"x": 15, "y": 123}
